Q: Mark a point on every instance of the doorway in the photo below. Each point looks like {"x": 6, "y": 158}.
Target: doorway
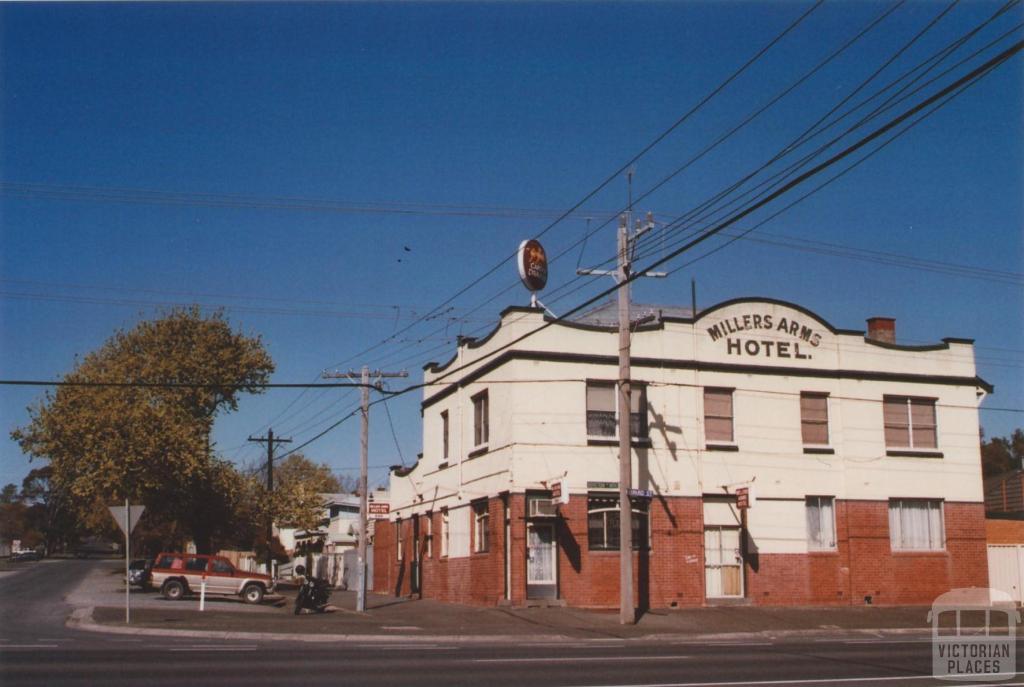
{"x": 541, "y": 561}
{"x": 723, "y": 563}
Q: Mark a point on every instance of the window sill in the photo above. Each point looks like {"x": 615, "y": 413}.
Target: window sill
{"x": 721, "y": 447}
{"x": 612, "y": 552}
{"x": 911, "y": 453}
{"x": 612, "y": 441}
{"x": 819, "y": 450}
{"x": 477, "y": 452}
{"x": 933, "y": 553}
{"x": 823, "y": 552}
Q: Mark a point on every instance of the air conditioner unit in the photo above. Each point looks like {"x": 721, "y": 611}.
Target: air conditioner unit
{"x": 542, "y": 508}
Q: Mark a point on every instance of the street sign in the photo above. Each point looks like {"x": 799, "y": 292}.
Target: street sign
{"x": 378, "y": 510}
{"x": 119, "y": 511}
{"x": 743, "y": 498}
{"x": 603, "y": 485}
{"x": 641, "y": 493}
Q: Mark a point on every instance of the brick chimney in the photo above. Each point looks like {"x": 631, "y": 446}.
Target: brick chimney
{"x": 882, "y": 329}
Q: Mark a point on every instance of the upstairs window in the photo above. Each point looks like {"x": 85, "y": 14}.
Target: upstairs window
{"x": 481, "y": 424}
{"x": 814, "y": 418}
{"x": 444, "y": 436}
{"x": 718, "y": 416}
{"x": 428, "y": 536}
{"x": 602, "y": 410}
{"x": 909, "y": 422}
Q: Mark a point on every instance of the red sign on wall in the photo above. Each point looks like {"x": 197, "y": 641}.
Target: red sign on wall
{"x": 743, "y": 498}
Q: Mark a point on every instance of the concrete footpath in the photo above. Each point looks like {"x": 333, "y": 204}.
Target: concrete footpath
{"x": 99, "y": 606}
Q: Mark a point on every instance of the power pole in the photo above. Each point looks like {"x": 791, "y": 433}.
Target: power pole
{"x": 626, "y": 243}
{"x": 271, "y": 441}
{"x": 364, "y": 445}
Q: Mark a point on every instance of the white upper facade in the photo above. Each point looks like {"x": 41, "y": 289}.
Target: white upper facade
{"x": 760, "y": 354}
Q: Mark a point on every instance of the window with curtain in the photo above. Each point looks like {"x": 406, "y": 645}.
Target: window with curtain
{"x": 602, "y": 410}
{"x": 481, "y": 527}
{"x": 916, "y": 525}
{"x": 814, "y": 418}
{"x": 718, "y": 415}
{"x": 909, "y": 422}
{"x": 821, "y": 523}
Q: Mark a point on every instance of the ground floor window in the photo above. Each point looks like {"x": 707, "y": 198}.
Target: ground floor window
{"x": 603, "y": 523}
{"x": 821, "y": 523}
{"x": 916, "y": 525}
{"x": 481, "y": 527}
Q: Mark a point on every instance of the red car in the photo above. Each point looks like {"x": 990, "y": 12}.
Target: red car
{"x": 178, "y": 574}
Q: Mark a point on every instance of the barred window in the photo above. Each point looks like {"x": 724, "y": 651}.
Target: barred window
{"x": 602, "y": 410}
{"x": 603, "y": 523}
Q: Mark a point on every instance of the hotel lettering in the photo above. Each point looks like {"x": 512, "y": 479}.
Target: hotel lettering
{"x": 741, "y": 335}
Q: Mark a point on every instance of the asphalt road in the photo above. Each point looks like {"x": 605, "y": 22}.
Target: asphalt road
{"x": 36, "y": 649}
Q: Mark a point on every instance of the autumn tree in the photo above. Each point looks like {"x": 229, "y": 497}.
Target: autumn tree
{"x": 298, "y": 484}
{"x": 134, "y": 420}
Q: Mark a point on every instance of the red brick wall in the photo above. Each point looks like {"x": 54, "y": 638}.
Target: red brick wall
{"x": 1004, "y": 531}
{"x": 862, "y": 565}
{"x": 865, "y": 565}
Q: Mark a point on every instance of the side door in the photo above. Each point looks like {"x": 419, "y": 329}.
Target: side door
{"x": 220, "y": 577}
{"x": 195, "y": 569}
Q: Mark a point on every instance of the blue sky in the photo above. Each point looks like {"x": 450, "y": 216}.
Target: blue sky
{"x": 165, "y": 153}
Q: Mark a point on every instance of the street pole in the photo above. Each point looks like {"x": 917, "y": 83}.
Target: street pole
{"x": 127, "y": 558}
{"x": 271, "y": 440}
{"x": 364, "y": 451}
{"x": 627, "y": 610}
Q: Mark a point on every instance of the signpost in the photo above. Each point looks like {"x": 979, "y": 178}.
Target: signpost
{"x": 126, "y": 517}
{"x": 379, "y": 510}
{"x": 560, "y": 492}
{"x": 743, "y": 498}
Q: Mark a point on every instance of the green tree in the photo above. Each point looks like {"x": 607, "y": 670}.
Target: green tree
{"x": 1001, "y": 454}
{"x": 298, "y": 484}
{"x": 9, "y": 494}
{"x": 136, "y": 418}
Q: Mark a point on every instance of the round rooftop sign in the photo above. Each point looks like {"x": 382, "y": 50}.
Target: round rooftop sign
{"x": 533, "y": 265}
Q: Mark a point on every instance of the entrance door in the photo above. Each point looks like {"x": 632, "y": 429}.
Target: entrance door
{"x": 723, "y": 562}
{"x": 541, "y": 566}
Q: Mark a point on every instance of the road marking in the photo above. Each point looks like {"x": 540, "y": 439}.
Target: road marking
{"x": 819, "y": 681}
{"x": 218, "y": 649}
{"x": 29, "y": 646}
{"x": 737, "y": 644}
{"x": 400, "y": 627}
{"x": 541, "y": 659}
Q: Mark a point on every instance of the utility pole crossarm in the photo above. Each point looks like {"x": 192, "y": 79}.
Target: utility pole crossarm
{"x": 364, "y": 441}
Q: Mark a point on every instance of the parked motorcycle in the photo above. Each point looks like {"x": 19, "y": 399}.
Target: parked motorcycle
{"x": 313, "y": 594}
